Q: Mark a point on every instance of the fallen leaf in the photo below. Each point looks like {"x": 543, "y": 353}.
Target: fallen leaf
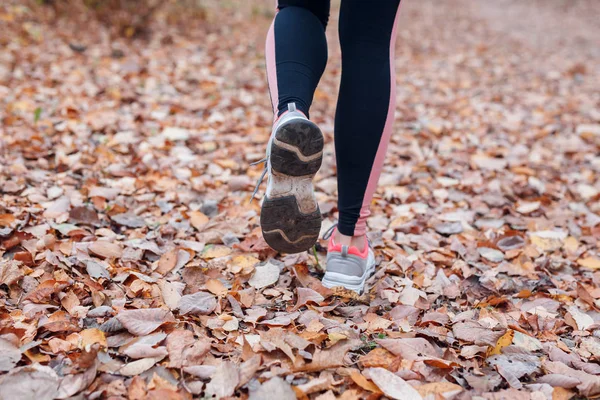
{"x": 143, "y": 321}
{"x": 216, "y": 287}
{"x": 106, "y": 249}
{"x": 137, "y": 367}
{"x": 35, "y": 382}
{"x": 589, "y": 262}
{"x": 223, "y": 381}
{"x": 363, "y": 382}
{"x": 9, "y": 355}
{"x": 274, "y": 388}
{"x": 199, "y": 303}
{"x": 445, "y": 390}
{"x": 473, "y": 332}
{"x": 198, "y": 219}
{"x": 392, "y": 385}
{"x": 264, "y": 275}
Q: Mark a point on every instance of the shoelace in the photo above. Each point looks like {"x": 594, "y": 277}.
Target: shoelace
{"x": 262, "y": 176}
{"x": 329, "y": 231}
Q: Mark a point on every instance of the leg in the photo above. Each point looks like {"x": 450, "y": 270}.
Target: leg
{"x": 365, "y": 109}
{"x": 296, "y": 52}
{"x": 290, "y": 218}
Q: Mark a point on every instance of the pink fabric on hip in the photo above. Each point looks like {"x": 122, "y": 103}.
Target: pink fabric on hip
{"x": 271, "y": 68}
{"x": 361, "y": 225}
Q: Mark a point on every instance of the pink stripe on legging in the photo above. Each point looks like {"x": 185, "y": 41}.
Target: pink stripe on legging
{"x": 271, "y": 67}
{"x": 361, "y": 225}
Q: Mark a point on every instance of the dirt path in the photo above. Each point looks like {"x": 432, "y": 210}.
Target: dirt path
{"x": 131, "y": 263}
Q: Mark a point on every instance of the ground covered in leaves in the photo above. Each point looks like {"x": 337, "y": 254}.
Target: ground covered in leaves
{"x": 132, "y": 265}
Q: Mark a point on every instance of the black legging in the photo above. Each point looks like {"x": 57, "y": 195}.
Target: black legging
{"x": 296, "y": 58}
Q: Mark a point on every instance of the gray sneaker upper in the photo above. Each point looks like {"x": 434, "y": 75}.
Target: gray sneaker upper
{"x": 347, "y": 264}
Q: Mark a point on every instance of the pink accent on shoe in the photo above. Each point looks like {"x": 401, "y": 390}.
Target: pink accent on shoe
{"x": 333, "y": 247}
{"x": 361, "y": 225}
{"x": 272, "y": 68}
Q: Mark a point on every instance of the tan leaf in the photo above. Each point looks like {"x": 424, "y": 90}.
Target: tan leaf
{"x": 264, "y": 275}
{"x": 331, "y": 357}
{"x": 274, "y": 388}
{"x": 473, "y": 332}
{"x": 9, "y": 272}
{"x": 137, "y": 367}
{"x": 106, "y": 249}
{"x": 590, "y": 384}
{"x": 73, "y": 384}
{"x": 589, "y": 262}
{"x": 363, "y": 382}
{"x": 392, "y": 385}
{"x": 582, "y": 319}
{"x": 141, "y": 350}
{"x": 171, "y": 292}
{"x": 9, "y": 355}
{"x": 223, "y": 381}
{"x": 198, "y": 219}
{"x": 199, "y": 303}
{"x": 177, "y": 341}
{"x": 167, "y": 261}
{"x": 378, "y": 357}
{"x": 410, "y": 348}
{"x": 91, "y": 336}
{"x": 444, "y": 390}
{"x": 35, "y": 382}
{"x": 137, "y": 389}
{"x": 306, "y": 295}
{"x": 248, "y": 368}
{"x": 215, "y": 251}
{"x": 216, "y": 287}
{"x": 142, "y": 322}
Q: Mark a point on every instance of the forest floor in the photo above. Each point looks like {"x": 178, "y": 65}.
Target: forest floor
{"x": 131, "y": 260}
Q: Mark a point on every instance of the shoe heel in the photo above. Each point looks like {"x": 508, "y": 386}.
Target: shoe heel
{"x": 285, "y": 228}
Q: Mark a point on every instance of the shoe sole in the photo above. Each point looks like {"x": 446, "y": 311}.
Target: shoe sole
{"x": 290, "y": 218}
{"x": 355, "y": 283}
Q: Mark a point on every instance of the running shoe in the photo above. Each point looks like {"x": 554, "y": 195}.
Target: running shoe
{"x": 347, "y": 266}
{"x": 290, "y": 218}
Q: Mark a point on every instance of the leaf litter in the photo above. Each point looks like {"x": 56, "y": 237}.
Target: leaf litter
{"x": 132, "y": 266}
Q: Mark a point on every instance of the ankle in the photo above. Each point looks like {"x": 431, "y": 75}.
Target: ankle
{"x": 360, "y": 242}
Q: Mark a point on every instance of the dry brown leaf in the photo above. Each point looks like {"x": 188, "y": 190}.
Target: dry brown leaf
{"x": 445, "y": 390}
{"x": 216, "y": 287}
{"x": 473, "y": 332}
{"x": 142, "y": 322}
{"x": 392, "y": 385}
{"x": 199, "y": 303}
{"x": 589, "y": 262}
{"x": 177, "y": 342}
{"x": 198, "y": 219}
{"x": 137, "y": 367}
{"x": 106, "y": 249}
{"x": 378, "y": 357}
{"x": 35, "y": 382}
{"x": 223, "y": 381}
{"x": 9, "y": 355}
{"x": 264, "y": 275}
{"x": 363, "y": 382}
{"x": 306, "y": 295}
{"x": 331, "y": 357}
{"x": 410, "y": 348}
{"x": 275, "y": 388}
{"x": 10, "y": 272}
{"x": 167, "y": 261}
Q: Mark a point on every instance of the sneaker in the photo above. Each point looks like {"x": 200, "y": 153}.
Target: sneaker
{"x": 347, "y": 266}
{"x": 290, "y": 218}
